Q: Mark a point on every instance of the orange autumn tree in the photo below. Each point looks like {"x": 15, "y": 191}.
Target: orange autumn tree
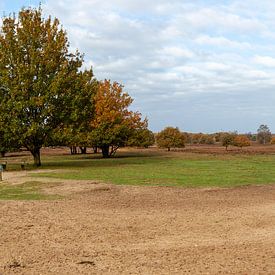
{"x": 113, "y": 123}
{"x": 241, "y": 141}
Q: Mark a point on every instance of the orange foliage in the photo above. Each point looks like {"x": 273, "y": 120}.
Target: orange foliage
{"x": 241, "y": 141}
{"x": 111, "y": 106}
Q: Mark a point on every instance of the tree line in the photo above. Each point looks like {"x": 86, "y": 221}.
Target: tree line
{"x": 172, "y": 137}
{"x": 48, "y": 99}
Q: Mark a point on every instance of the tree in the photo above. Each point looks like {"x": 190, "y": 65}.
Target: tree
{"x": 207, "y": 139}
{"x": 196, "y": 138}
{"x": 241, "y": 141}
{"x": 188, "y": 137}
{"x": 170, "y": 137}
{"x": 38, "y": 75}
{"x": 228, "y": 139}
{"x": 263, "y": 134}
{"x": 142, "y": 138}
{"x": 77, "y": 132}
{"x": 7, "y": 144}
{"x": 113, "y": 123}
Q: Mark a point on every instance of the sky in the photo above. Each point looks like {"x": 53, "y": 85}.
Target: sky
{"x": 203, "y": 66}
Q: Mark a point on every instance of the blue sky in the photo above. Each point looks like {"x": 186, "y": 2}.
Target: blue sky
{"x": 199, "y": 65}
{"x": 9, "y": 6}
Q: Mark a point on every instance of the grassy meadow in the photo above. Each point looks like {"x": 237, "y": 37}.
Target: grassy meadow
{"x": 166, "y": 169}
{"x": 145, "y": 167}
{"x": 30, "y": 190}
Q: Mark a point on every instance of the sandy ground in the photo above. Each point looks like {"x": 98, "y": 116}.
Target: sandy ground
{"x": 107, "y": 229}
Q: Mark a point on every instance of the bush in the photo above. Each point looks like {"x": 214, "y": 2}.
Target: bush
{"x": 170, "y": 138}
{"x": 241, "y": 141}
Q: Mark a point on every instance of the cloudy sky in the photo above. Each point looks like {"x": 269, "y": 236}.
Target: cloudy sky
{"x": 199, "y": 65}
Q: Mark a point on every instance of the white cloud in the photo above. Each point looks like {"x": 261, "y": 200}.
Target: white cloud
{"x": 220, "y": 19}
{"x": 222, "y": 42}
{"x": 176, "y": 49}
{"x": 265, "y": 60}
{"x": 177, "y": 52}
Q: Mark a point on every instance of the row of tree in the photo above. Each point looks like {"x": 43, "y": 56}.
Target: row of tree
{"x": 171, "y": 137}
{"x": 47, "y": 98}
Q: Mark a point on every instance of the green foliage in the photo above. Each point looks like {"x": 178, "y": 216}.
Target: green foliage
{"x": 7, "y": 144}
{"x": 228, "y": 139}
{"x": 170, "y": 137}
{"x": 42, "y": 89}
{"x": 77, "y": 130}
{"x": 142, "y": 138}
{"x": 264, "y": 134}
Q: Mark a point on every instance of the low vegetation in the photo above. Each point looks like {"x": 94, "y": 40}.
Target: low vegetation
{"x": 31, "y": 190}
{"x": 166, "y": 169}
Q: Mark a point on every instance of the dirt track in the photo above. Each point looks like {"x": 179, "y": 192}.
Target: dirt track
{"x": 141, "y": 230}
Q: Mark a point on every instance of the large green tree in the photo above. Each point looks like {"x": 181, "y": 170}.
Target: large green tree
{"x": 38, "y": 78}
{"x": 77, "y": 131}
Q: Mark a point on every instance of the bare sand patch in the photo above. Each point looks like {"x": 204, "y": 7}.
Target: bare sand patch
{"x": 141, "y": 230}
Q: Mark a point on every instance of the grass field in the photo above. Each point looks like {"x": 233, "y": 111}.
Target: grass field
{"x": 167, "y": 169}
{"x": 26, "y": 191}
{"x": 146, "y": 167}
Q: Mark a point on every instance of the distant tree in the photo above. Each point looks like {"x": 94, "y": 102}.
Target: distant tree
{"x": 113, "y": 123}
{"x": 272, "y": 140}
{"x": 170, "y": 137}
{"x": 218, "y": 136}
{"x": 228, "y": 139}
{"x": 188, "y": 137}
{"x": 142, "y": 138}
{"x": 251, "y": 137}
{"x": 241, "y": 141}
{"x": 38, "y": 75}
{"x": 254, "y": 137}
{"x": 263, "y": 134}
{"x": 207, "y": 139}
{"x": 196, "y": 138}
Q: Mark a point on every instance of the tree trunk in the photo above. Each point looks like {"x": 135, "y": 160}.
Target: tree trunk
{"x": 168, "y": 149}
{"x": 3, "y": 154}
{"x": 83, "y": 150}
{"x": 73, "y": 150}
{"x": 105, "y": 151}
{"x": 36, "y": 156}
{"x": 95, "y": 149}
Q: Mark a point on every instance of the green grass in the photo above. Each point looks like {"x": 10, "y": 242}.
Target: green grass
{"x": 187, "y": 170}
{"x": 26, "y": 191}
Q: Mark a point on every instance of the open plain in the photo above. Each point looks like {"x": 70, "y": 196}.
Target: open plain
{"x": 104, "y": 228}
